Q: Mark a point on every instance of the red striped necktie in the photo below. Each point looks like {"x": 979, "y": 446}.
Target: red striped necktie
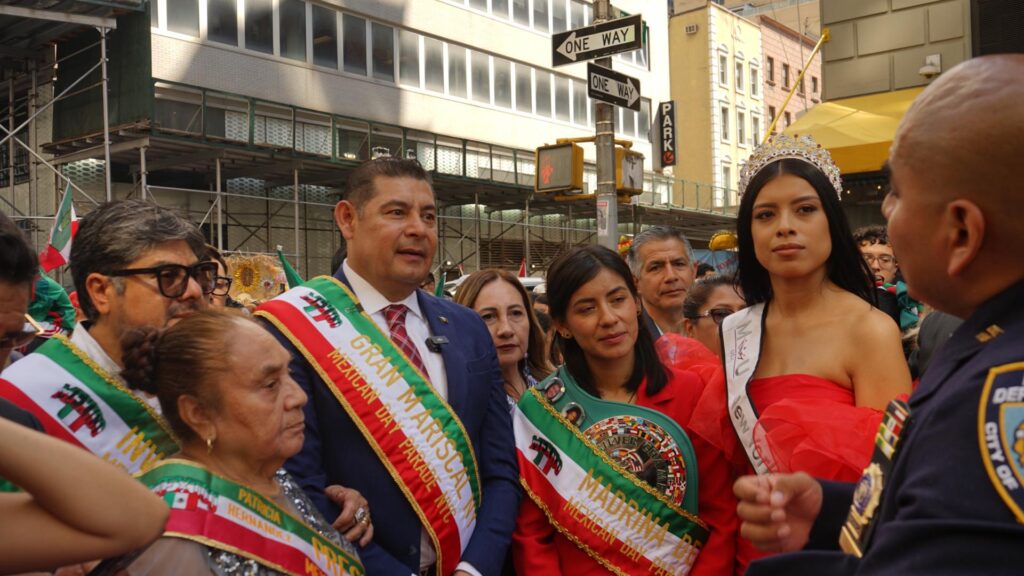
{"x": 395, "y": 316}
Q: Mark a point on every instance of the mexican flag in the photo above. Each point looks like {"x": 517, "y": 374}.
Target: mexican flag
{"x": 58, "y": 252}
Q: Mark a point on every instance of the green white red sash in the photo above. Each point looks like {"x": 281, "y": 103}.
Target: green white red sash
{"x": 77, "y": 401}
{"x": 221, "y": 514}
{"x": 618, "y": 520}
{"x": 741, "y": 343}
{"x": 413, "y": 430}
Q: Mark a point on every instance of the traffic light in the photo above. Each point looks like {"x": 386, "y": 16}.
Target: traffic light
{"x": 559, "y": 168}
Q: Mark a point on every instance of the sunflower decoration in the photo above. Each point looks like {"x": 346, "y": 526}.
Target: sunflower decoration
{"x": 258, "y": 276}
{"x": 625, "y": 242}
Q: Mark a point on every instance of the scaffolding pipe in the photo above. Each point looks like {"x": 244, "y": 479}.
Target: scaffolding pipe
{"x": 48, "y": 165}
{"x": 106, "y": 113}
{"x": 526, "y": 236}
{"x": 142, "y": 172}
{"x": 33, "y": 186}
{"x": 295, "y": 197}
{"x": 220, "y": 207}
{"x": 476, "y": 203}
{"x": 10, "y": 147}
{"x": 48, "y": 104}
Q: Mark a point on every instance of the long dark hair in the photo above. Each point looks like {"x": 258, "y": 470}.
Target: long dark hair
{"x": 566, "y": 275}
{"x": 845, "y": 266}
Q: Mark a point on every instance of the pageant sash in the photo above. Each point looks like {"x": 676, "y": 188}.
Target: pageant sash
{"x": 742, "y": 334}
{"x": 620, "y": 520}
{"x": 413, "y": 430}
{"x": 218, "y": 513}
{"x": 77, "y": 401}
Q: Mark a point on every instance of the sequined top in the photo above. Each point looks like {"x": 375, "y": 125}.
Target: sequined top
{"x": 170, "y": 556}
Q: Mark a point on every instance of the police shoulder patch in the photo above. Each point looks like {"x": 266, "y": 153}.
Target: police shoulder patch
{"x": 1001, "y": 433}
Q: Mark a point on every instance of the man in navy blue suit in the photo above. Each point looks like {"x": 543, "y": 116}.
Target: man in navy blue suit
{"x": 445, "y": 494}
{"x": 944, "y": 493}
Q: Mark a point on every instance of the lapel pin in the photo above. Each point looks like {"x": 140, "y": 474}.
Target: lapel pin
{"x": 443, "y": 319}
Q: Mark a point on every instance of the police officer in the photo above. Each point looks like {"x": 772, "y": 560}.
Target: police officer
{"x": 943, "y": 494}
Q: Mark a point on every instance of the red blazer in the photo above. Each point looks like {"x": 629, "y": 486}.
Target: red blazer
{"x": 537, "y": 548}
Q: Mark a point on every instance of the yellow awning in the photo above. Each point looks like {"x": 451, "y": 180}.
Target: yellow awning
{"x": 857, "y": 131}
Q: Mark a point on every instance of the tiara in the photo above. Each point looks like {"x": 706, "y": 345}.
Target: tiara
{"x": 783, "y": 147}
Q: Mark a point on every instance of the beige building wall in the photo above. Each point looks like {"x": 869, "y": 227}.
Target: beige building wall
{"x": 691, "y": 91}
{"x": 880, "y": 45}
{"x": 786, "y": 50}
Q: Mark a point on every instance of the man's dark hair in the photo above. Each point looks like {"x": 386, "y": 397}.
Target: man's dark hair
{"x": 704, "y": 268}
{"x": 871, "y": 235}
{"x": 18, "y": 262}
{"x": 117, "y": 233}
{"x": 359, "y": 188}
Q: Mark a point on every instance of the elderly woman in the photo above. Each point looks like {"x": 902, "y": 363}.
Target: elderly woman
{"x": 225, "y": 390}
{"x": 502, "y": 302}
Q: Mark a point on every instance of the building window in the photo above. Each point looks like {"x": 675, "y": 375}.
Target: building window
{"x": 408, "y": 59}
{"x": 814, "y": 84}
{"x": 576, "y": 15}
{"x": 353, "y": 43}
{"x": 741, "y": 128}
{"x": 723, "y": 70}
{"x": 456, "y": 71}
{"x": 500, "y": 8}
{"x": 259, "y": 25}
{"x": 521, "y": 12}
{"x": 802, "y": 90}
{"x": 771, "y": 117}
{"x": 433, "y": 69}
{"x": 726, "y": 176}
{"x": 541, "y": 9}
{"x": 629, "y": 123}
{"x": 739, "y": 76}
{"x": 755, "y": 130}
{"x": 785, "y": 75}
{"x": 725, "y": 124}
{"x": 481, "y": 75}
{"x": 788, "y": 120}
{"x": 383, "y": 41}
{"x": 502, "y": 82}
{"x": 325, "y": 37}
{"x": 562, "y": 98}
{"x": 479, "y": 5}
{"x": 754, "y": 82}
{"x": 524, "y": 89}
{"x": 221, "y": 21}
{"x": 771, "y": 70}
{"x": 645, "y": 119}
{"x": 558, "y": 16}
{"x": 543, "y": 90}
{"x": 183, "y": 16}
{"x": 579, "y": 103}
{"x": 293, "y": 29}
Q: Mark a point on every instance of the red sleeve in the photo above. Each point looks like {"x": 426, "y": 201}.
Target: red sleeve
{"x": 717, "y": 507}
{"x": 533, "y": 541}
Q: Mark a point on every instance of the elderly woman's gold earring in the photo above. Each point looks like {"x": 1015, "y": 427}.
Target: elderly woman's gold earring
{"x": 209, "y": 445}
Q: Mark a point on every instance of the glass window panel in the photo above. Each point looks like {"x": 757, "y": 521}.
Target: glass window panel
{"x": 645, "y": 119}
{"x": 479, "y": 4}
{"x": 741, "y": 128}
{"x": 562, "y": 98}
{"x": 629, "y": 123}
{"x": 579, "y": 103}
{"x": 723, "y": 69}
{"x": 754, "y": 82}
{"x": 434, "y": 56}
{"x": 383, "y": 39}
{"x": 222, "y": 21}
{"x": 499, "y": 8}
{"x": 544, "y": 93}
{"x": 354, "y": 44}
{"x": 725, "y": 124}
{"x": 408, "y": 58}
{"x": 481, "y": 78}
{"x": 521, "y": 12}
{"x": 293, "y": 29}
{"x": 502, "y": 83}
{"x": 325, "y": 37}
{"x": 524, "y": 91}
{"x": 558, "y": 11}
{"x": 154, "y": 14}
{"x": 541, "y": 9}
{"x": 259, "y": 25}
{"x": 576, "y": 13}
{"x": 183, "y": 16}
{"x": 739, "y": 76}
{"x": 456, "y": 71}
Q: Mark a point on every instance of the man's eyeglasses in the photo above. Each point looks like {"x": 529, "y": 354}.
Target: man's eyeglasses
{"x": 883, "y": 259}
{"x": 29, "y": 330}
{"x": 221, "y": 285}
{"x": 717, "y": 315}
{"x": 173, "y": 278}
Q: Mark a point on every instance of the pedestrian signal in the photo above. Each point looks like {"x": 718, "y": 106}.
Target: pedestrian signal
{"x": 559, "y": 168}
{"x": 629, "y": 172}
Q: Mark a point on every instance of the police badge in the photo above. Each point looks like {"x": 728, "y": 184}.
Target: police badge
{"x": 1001, "y": 433}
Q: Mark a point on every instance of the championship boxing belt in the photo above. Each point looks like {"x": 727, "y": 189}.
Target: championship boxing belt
{"x": 618, "y": 480}
{"x": 742, "y": 334}
{"x": 418, "y": 437}
{"x": 77, "y": 401}
{"x": 218, "y": 513}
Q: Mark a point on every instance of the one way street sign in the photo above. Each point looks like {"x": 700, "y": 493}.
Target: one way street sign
{"x": 612, "y": 87}
{"x": 622, "y": 35}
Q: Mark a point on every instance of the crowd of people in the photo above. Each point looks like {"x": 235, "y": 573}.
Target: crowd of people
{"x": 641, "y": 416}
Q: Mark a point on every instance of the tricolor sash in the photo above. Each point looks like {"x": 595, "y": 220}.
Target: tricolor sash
{"x": 227, "y": 516}
{"x": 636, "y": 521}
{"x": 414, "y": 431}
{"x": 741, "y": 343}
{"x": 79, "y": 402}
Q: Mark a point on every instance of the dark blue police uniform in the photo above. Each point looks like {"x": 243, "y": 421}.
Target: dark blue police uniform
{"x": 952, "y": 498}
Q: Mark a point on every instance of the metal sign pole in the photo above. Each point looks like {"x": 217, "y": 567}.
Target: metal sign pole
{"x": 607, "y": 200}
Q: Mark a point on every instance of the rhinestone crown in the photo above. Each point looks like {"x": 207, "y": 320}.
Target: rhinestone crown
{"x": 796, "y": 147}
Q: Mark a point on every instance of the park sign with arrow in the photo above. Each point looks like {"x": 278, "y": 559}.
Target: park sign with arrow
{"x": 604, "y": 39}
{"x": 613, "y": 87}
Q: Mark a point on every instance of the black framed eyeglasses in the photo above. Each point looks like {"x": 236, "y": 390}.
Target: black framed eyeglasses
{"x": 717, "y": 315}
{"x": 221, "y": 285}
{"x": 882, "y": 259}
{"x": 29, "y": 330}
{"x": 173, "y": 278}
